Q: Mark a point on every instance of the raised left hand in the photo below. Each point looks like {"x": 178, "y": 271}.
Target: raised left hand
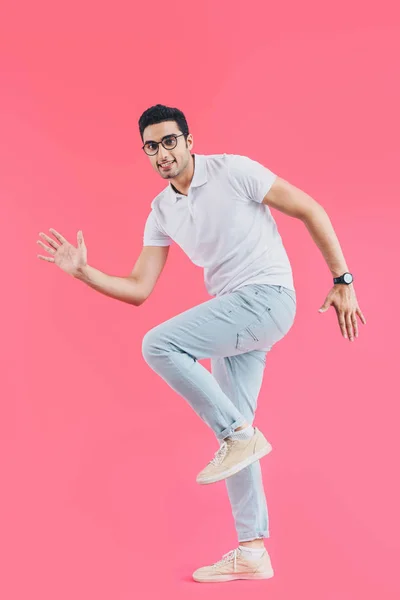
{"x": 343, "y": 298}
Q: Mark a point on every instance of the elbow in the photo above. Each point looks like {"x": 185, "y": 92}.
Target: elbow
{"x": 137, "y": 295}
{"x": 138, "y": 301}
{"x": 141, "y": 296}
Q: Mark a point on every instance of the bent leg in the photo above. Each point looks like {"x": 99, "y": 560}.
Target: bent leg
{"x": 174, "y": 348}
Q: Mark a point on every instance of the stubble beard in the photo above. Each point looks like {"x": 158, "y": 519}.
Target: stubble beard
{"x": 170, "y": 175}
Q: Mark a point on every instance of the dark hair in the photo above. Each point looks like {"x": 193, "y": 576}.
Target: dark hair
{"x": 160, "y": 113}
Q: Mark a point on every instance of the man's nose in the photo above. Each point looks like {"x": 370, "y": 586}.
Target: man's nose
{"x": 162, "y": 152}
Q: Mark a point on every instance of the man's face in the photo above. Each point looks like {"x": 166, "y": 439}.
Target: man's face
{"x": 168, "y": 163}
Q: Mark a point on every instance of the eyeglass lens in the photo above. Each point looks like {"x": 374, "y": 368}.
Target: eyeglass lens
{"x": 169, "y": 143}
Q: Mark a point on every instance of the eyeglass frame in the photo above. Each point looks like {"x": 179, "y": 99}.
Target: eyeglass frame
{"x": 161, "y": 142}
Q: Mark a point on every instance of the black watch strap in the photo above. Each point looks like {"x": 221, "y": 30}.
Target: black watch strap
{"x": 346, "y": 278}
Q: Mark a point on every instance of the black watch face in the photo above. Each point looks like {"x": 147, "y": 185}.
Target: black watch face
{"x": 348, "y": 278}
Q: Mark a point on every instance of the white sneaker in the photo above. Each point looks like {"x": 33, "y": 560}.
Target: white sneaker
{"x": 233, "y": 566}
{"x": 233, "y": 456}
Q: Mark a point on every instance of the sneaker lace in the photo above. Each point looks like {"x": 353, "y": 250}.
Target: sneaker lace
{"x": 232, "y": 554}
{"x": 220, "y": 454}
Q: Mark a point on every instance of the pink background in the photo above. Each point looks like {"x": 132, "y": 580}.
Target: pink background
{"x": 98, "y": 456}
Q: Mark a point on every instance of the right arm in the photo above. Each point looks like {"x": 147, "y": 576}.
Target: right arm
{"x": 134, "y": 288}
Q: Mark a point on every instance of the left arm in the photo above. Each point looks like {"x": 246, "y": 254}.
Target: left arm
{"x": 292, "y": 201}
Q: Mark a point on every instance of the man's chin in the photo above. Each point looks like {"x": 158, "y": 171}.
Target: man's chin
{"x": 168, "y": 174}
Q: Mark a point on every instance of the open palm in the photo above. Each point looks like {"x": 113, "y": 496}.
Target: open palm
{"x": 63, "y": 254}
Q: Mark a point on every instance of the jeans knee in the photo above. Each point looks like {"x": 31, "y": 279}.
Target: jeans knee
{"x": 148, "y": 343}
{"x": 151, "y": 344}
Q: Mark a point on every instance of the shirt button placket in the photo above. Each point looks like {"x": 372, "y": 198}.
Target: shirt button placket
{"x": 190, "y": 205}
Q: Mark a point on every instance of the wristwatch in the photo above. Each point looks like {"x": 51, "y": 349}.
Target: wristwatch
{"x": 346, "y": 278}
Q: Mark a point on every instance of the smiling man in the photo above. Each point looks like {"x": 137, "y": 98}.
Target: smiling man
{"x": 217, "y": 209}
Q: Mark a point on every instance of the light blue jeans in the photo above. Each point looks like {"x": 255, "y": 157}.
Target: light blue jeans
{"x": 235, "y": 331}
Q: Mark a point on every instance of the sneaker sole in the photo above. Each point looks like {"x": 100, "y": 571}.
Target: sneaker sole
{"x": 233, "y": 577}
{"x": 238, "y": 467}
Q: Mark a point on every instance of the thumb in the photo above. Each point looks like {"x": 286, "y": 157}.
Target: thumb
{"x": 80, "y": 238}
{"x": 325, "y": 306}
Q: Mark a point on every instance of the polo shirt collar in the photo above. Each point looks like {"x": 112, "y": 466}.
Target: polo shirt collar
{"x": 199, "y": 176}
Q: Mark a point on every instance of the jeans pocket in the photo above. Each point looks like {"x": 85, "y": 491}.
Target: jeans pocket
{"x": 272, "y": 309}
{"x": 262, "y": 331}
{"x": 246, "y": 340}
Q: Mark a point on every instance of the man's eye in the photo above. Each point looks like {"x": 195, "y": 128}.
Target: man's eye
{"x": 151, "y": 147}
{"x": 169, "y": 141}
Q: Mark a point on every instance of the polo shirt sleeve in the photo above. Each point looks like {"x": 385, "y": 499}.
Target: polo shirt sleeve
{"x": 252, "y": 178}
{"x": 154, "y": 235}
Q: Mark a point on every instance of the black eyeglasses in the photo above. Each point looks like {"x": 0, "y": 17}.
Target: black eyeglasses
{"x": 169, "y": 142}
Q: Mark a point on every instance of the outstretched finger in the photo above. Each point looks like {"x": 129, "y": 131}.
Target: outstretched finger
{"x": 48, "y": 258}
{"x": 49, "y": 240}
{"x": 355, "y": 324}
{"x": 49, "y": 250}
{"x": 362, "y": 318}
{"x": 342, "y": 323}
{"x": 58, "y": 236}
{"x": 349, "y": 325}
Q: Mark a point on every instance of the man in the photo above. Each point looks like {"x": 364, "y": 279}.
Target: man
{"x": 217, "y": 209}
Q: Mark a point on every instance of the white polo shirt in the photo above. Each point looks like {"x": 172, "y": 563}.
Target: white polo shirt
{"x": 222, "y": 224}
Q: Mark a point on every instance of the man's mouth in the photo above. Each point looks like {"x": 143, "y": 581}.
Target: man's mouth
{"x": 167, "y": 164}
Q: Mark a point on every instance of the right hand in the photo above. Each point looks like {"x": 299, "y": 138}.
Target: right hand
{"x": 70, "y": 259}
